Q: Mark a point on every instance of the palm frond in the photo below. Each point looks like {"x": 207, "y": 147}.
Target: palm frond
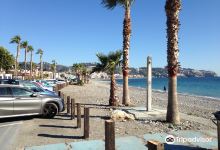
{"x": 110, "y": 4}
{"x": 30, "y": 48}
{"x": 16, "y": 39}
{"x": 108, "y": 63}
{"x": 24, "y": 44}
{"x": 40, "y": 51}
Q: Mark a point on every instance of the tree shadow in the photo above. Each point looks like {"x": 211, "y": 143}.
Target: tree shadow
{"x": 56, "y": 126}
{"x": 60, "y": 136}
{"x": 181, "y": 147}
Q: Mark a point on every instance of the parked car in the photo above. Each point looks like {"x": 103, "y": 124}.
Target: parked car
{"x": 19, "y": 101}
{"x": 30, "y": 85}
{"x": 45, "y": 85}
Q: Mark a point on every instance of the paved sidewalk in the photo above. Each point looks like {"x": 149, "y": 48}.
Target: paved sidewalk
{"x": 138, "y": 143}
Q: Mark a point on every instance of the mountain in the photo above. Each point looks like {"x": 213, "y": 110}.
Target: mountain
{"x": 156, "y": 72}
{"x": 184, "y": 72}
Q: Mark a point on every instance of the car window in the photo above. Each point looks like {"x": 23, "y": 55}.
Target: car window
{"x": 32, "y": 87}
{"x": 4, "y": 91}
{"x": 20, "y": 92}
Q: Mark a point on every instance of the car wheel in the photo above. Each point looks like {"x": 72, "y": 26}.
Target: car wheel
{"x": 50, "y": 110}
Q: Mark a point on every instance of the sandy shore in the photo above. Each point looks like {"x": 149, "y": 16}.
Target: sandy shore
{"x": 189, "y": 104}
{"x": 196, "y": 114}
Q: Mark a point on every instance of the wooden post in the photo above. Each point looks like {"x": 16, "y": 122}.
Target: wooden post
{"x": 78, "y": 115}
{"x": 63, "y": 96}
{"x": 59, "y": 93}
{"x": 155, "y": 145}
{"x": 109, "y": 135}
{"x": 72, "y": 109}
{"x": 149, "y": 83}
{"x": 218, "y": 128}
{"x": 54, "y": 88}
{"x": 58, "y": 87}
{"x": 68, "y": 104}
{"x": 86, "y": 122}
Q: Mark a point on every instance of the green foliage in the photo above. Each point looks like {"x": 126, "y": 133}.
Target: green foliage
{"x": 6, "y": 59}
{"x": 53, "y": 65}
{"x": 46, "y": 75}
{"x": 108, "y": 63}
{"x": 111, "y": 4}
{"x": 16, "y": 39}
{"x": 30, "y": 48}
{"x": 24, "y": 44}
{"x": 80, "y": 82}
{"x": 40, "y": 52}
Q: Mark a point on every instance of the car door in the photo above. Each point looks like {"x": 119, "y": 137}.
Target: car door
{"x": 6, "y": 102}
{"x": 25, "y": 102}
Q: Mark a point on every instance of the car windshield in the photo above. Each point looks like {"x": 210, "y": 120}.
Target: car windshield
{"x": 32, "y": 87}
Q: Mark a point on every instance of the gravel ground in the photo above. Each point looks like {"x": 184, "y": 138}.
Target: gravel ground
{"x": 95, "y": 95}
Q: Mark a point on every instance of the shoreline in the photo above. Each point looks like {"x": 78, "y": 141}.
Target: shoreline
{"x": 161, "y": 91}
{"x": 199, "y": 106}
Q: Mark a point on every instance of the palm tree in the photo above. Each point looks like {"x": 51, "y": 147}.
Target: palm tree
{"x": 53, "y": 68}
{"x": 24, "y": 45}
{"x": 40, "y": 52}
{"x": 126, "y": 4}
{"x": 78, "y": 69}
{"x": 31, "y": 49}
{"x": 16, "y": 39}
{"x": 172, "y": 8}
{"x": 108, "y": 63}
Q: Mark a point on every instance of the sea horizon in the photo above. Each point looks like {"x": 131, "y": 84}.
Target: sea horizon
{"x": 195, "y": 86}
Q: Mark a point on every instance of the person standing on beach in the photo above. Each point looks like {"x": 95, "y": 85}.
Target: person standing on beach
{"x": 164, "y": 88}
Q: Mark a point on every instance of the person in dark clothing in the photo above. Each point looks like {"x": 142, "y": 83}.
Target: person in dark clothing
{"x": 164, "y": 88}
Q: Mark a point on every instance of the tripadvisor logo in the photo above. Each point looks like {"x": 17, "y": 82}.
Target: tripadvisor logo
{"x": 169, "y": 139}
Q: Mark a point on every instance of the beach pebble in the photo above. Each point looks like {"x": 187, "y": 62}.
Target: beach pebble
{"x": 171, "y": 126}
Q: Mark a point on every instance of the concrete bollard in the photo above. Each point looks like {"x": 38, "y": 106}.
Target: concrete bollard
{"x": 68, "y": 104}
{"x": 72, "y": 109}
{"x": 86, "y": 123}
{"x": 155, "y": 145}
{"x": 218, "y": 128}
{"x": 109, "y": 135}
{"x": 78, "y": 115}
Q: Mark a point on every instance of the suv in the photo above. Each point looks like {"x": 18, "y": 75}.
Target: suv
{"x": 19, "y": 101}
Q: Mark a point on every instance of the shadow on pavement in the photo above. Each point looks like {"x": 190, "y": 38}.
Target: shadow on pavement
{"x": 55, "y": 126}
{"x": 60, "y": 136}
{"x": 181, "y": 147}
{"x": 5, "y": 120}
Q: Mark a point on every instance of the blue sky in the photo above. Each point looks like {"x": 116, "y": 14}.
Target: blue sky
{"x": 73, "y": 31}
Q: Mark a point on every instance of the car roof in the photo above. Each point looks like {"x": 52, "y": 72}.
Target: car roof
{"x": 9, "y": 85}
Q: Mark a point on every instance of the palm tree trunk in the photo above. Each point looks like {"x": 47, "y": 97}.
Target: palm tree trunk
{"x": 126, "y": 46}
{"x": 25, "y": 62}
{"x": 31, "y": 65}
{"x": 172, "y": 11}
{"x": 41, "y": 67}
{"x": 112, "y": 100}
{"x": 16, "y": 61}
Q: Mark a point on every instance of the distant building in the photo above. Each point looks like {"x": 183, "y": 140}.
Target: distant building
{"x": 5, "y": 76}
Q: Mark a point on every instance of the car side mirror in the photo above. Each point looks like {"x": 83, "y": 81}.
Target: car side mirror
{"x": 34, "y": 95}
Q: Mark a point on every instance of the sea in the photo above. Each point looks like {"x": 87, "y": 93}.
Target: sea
{"x": 207, "y": 86}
